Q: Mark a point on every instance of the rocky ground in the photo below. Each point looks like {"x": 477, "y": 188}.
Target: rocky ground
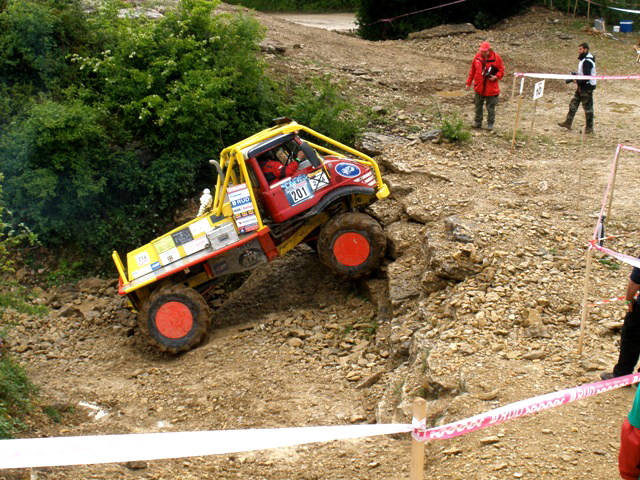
{"x": 476, "y": 306}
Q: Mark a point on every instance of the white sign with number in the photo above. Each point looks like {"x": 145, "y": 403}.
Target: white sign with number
{"x": 538, "y": 90}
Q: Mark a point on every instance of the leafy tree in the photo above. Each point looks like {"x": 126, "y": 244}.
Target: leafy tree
{"x": 108, "y": 158}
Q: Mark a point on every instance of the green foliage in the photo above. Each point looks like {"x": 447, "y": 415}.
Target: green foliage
{"x": 19, "y": 298}
{"x": 454, "y": 129}
{"x": 321, "y": 106}
{"x": 299, "y": 5}
{"x": 107, "y": 159}
{"x": 482, "y": 13}
{"x": 11, "y": 235}
{"x": 36, "y": 36}
{"x": 15, "y": 395}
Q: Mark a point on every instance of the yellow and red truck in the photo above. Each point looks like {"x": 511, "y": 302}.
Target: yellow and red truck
{"x": 318, "y": 198}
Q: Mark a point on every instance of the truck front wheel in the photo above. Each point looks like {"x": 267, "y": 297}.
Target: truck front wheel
{"x": 174, "y": 318}
{"x": 352, "y": 244}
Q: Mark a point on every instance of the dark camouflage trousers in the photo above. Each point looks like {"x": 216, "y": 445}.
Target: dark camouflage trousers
{"x": 586, "y": 98}
{"x": 478, "y": 101}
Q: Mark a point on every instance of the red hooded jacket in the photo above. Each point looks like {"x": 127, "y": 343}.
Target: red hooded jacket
{"x": 481, "y": 83}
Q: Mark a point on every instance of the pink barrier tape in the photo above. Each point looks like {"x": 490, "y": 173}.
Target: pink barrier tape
{"x": 60, "y": 451}
{"x": 54, "y": 452}
{"x": 558, "y": 76}
{"x": 633, "y": 149}
{"x": 522, "y": 408}
{"x": 628, "y": 259}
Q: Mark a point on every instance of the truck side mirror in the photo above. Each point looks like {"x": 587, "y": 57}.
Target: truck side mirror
{"x": 311, "y": 154}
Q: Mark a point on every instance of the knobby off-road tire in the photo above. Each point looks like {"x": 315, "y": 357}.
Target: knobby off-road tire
{"x": 352, "y": 244}
{"x": 174, "y": 318}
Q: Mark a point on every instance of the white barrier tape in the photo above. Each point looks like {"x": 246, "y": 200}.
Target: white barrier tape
{"x": 59, "y": 451}
{"x": 633, "y": 149}
{"x": 419, "y": 424}
{"x": 558, "y": 76}
{"x": 628, "y": 259}
{"x": 52, "y": 452}
{"x": 522, "y": 408}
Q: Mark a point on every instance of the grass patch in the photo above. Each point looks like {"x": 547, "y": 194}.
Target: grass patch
{"x": 18, "y": 298}
{"x": 16, "y": 392}
{"x": 454, "y": 129}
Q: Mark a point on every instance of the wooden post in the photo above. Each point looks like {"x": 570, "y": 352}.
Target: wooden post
{"x": 613, "y": 182}
{"x": 416, "y": 472}
{"x": 580, "y": 174}
{"x": 575, "y": 7}
{"x": 585, "y": 294}
{"x": 535, "y": 105}
{"x": 588, "y": 8}
{"x": 513, "y": 88}
{"x": 515, "y": 128}
{"x": 568, "y": 7}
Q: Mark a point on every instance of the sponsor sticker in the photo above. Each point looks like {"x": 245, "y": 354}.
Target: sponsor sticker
{"x": 200, "y": 226}
{"x": 142, "y": 259}
{"x": 297, "y": 190}
{"x": 196, "y": 245}
{"x": 142, "y": 271}
{"x": 318, "y": 180}
{"x": 348, "y": 170}
{"x": 169, "y": 256}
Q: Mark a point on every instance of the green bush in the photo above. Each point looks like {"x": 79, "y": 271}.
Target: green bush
{"x": 16, "y": 392}
{"x": 106, "y": 160}
{"x": 320, "y": 105}
{"x": 454, "y": 129}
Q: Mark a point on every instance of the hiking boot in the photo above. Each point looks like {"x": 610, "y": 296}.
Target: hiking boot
{"x": 476, "y": 125}
{"x": 588, "y": 129}
{"x": 610, "y": 375}
{"x": 490, "y": 126}
{"x": 565, "y": 124}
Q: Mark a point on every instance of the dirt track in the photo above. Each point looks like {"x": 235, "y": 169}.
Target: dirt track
{"x": 290, "y": 346}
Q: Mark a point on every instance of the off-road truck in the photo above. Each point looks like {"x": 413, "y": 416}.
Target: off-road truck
{"x": 250, "y": 221}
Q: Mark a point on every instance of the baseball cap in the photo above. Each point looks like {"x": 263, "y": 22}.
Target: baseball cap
{"x": 484, "y": 46}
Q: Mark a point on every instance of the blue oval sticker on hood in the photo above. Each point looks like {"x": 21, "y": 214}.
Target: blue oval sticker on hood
{"x": 348, "y": 170}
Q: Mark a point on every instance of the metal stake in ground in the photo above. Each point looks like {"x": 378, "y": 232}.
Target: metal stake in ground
{"x": 416, "y": 471}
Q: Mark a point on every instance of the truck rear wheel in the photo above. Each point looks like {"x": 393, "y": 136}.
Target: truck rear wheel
{"x": 174, "y": 318}
{"x": 352, "y": 244}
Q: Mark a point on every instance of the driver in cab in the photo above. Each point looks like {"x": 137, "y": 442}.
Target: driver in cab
{"x": 280, "y": 164}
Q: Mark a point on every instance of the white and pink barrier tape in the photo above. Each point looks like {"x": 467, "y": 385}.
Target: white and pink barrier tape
{"x": 59, "y": 451}
{"x": 595, "y": 241}
{"x": 561, "y": 76}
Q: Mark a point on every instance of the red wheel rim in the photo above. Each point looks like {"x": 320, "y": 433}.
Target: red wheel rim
{"x": 174, "y": 320}
{"x": 351, "y": 249}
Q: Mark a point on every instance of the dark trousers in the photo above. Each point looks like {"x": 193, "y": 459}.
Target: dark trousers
{"x": 491, "y": 102}
{"x": 584, "y": 96}
{"x": 629, "y": 343}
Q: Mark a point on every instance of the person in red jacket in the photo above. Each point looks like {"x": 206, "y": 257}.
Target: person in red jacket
{"x": 629, "y": 456}
{"x": 486, "y": 69}
{"x": 274, "y": 169}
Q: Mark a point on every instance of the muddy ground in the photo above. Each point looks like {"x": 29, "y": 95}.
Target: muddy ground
{"x": 469, "y": 325}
